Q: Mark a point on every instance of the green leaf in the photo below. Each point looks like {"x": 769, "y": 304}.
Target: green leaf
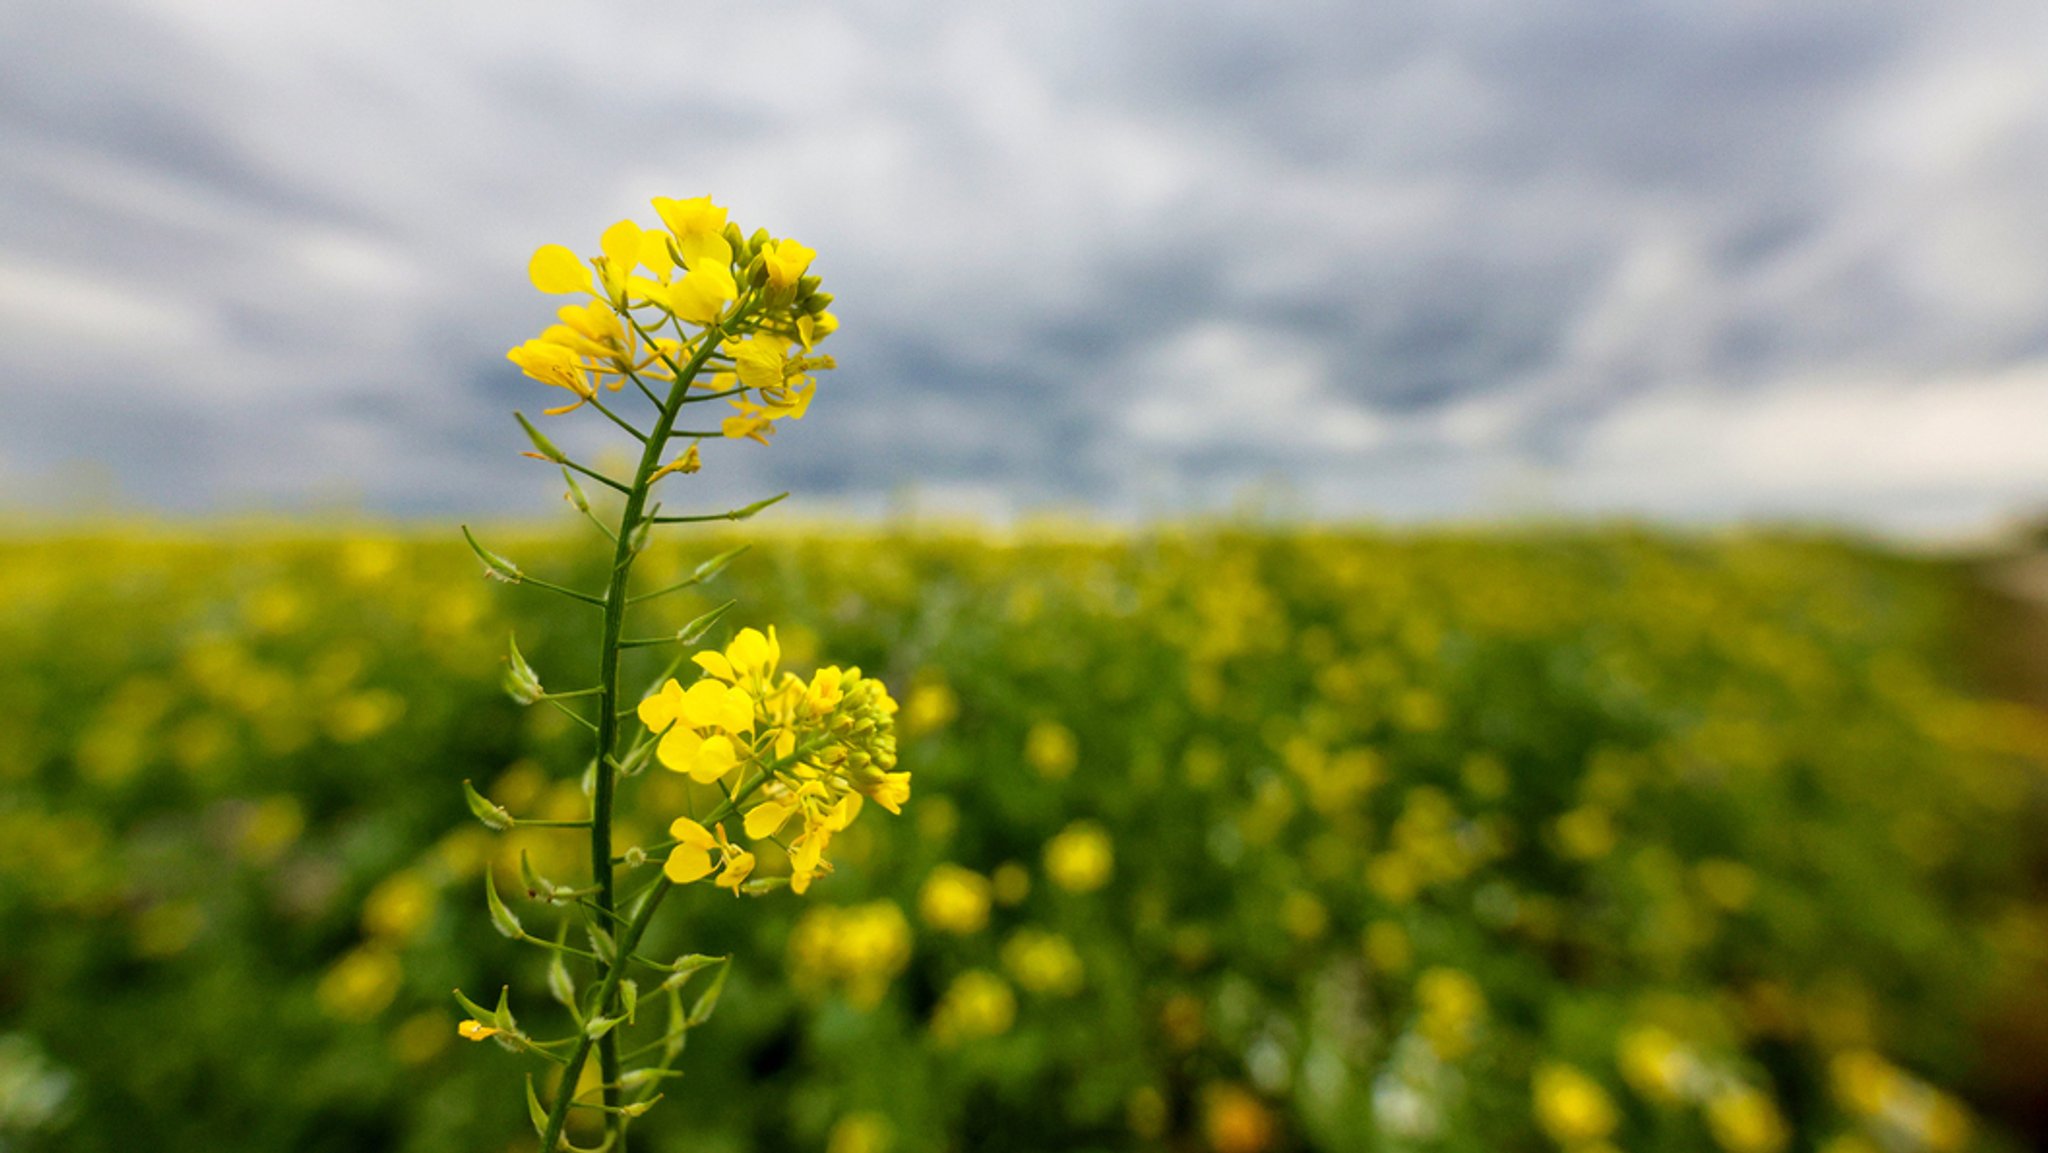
{"x": 535, "y": 1110}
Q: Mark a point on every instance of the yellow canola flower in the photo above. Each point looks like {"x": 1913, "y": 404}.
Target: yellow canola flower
{"x": 1043, "y": 962}
{"x": 699, "y": 227}
{"x": 553, "y": 364}
{"x": 693, "y": 857}
{"x": 823, "y": 815}
{"x": 954, "y": 900}
{"x": 1744, "y": 1120}
{"x": 1572, "y": 1107}
{"x": 977, "y": 1004}
{"x": 1655, "y": 1064}
{"x": 1450, "y": 1008}
{"x": 748, "y": 663}
{"x": 1081, "y": 858}
{"x": 787, "y": 261}
{"x": 698, "y": 727}
{"x": 475, "y": 1030}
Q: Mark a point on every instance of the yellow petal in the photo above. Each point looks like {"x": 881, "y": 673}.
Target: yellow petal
{"x": 678, "y": 748}
{"x": 685, "y": 865}
{"x": 737, "y": 713}
{"x": 704, "y": 250}
{"x": 555, "y": 269}
{"x": 691, "y": 835}
{"x": 655, "y": 255}
{"x": 659, "y": 711}
{"x": 688, "y": 217}
{"x": 715, "y": 758}
{"x": 621, "y": 246}
{"x": 716, "y": 665}
{"x": 764, "y": 819}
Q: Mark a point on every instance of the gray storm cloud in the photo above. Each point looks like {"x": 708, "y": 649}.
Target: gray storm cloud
{"x": 1403, "y": 260}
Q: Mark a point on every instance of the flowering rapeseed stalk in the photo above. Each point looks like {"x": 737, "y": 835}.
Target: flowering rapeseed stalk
{"x": 687, "y": 313}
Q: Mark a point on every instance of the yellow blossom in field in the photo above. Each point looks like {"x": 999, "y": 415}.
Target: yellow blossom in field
{"x": 1043, "y": 962}
{"x": 1050, "y": 748}
{"x": 1744, "y": 1120}
{"x": 1654, "y": 1063}
{"x": 1010, "y": 883}
{"x": 931, "y": 706}
{"x": 954, "y": 900}
{"x": 861, "y": 1133}
{"x": 361, "y": 984}
{"x": 399, "y": 906}
{"x": 1080, "y": 859}
{"x": 699, "y": 850}
{"x": 1864, "y": 1082}
{"x": 1572, "y": 1107}
{"x": 1449, "y": 1009}
{"x": 859, "y": 948}
{"x": 977, "y": 1004}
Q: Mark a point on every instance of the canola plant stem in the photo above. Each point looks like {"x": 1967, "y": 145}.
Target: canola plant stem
{"x": 607, "y": 996}
{"x": 606, "y": 730}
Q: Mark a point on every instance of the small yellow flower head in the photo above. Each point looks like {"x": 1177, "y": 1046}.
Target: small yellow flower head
{"x": 977, "y": 1004}
{"x": 954, "y": 900}
{"x": 699, "y": 726}
{"x": 361, "y": 984}
{"x": 474, "y": 1030}
{"x": 1450, "y": 1007}
{"x": 699, "y": 850}
{"x": 1654, "y": 1063}
{"x": 1011, "y": 883}
{"x": 787, "y": 261}
{"x": 748, "y": 663}
{"x": 859, "y": 948}
{"x": 1051, "y": 749}
{"x": 1744, "y": 1120}
{"x": 1043, "y": 962}
{"x": 1572, "y": 1107}
{"x": 861, "y": 1133}
{"x": 1081, "y": 858}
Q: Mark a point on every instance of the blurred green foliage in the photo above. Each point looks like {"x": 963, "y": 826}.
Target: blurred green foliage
{"x": 1227, "y": 840}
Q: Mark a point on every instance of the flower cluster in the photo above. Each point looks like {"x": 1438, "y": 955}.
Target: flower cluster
{"x": 752, "y": 298}
{"x": 809, "y": 754}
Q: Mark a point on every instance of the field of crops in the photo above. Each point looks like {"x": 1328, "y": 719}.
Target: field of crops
{"x": 1225, "y": 840}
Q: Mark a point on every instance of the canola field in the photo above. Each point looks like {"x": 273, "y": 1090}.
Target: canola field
{"x": 1220, "y": 839}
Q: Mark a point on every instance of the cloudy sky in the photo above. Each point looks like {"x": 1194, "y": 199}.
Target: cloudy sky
{"x": 1703, "y": 261}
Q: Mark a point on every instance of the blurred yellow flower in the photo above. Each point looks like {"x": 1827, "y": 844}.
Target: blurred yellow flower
{"x": 1043, "y": 962}
{"x": 1050, "y": 748}
{"x": 1572, "y": 1107}
{"x": 954, "y": 900}
{"x": 361, "y": 984}
{"x": 1744, "y": 1120}
{"x": 1080, "y": 859}
{"x": 977, "y": 1004}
